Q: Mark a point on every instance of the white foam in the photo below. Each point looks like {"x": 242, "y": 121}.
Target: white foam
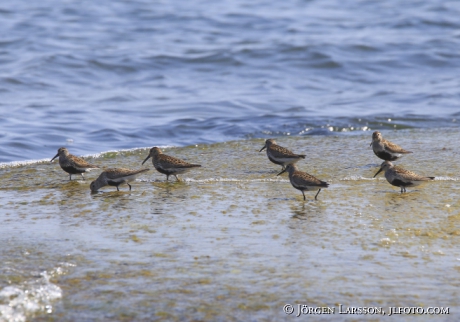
{"x": 237, "y": 180}
{"x": 100, "y": 154}
{"x": 219, "y": 180}
{"x": 14, "y": 164}
{"x": 446, "y": 179}
{"x": 24, "y": 300}
{"x": 356, "y": 178}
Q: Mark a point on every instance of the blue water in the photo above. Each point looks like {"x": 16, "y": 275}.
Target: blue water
{"x": 103, "y": 75}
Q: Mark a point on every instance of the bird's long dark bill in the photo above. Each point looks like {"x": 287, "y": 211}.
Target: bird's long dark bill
{"x": 281, "y": 172}
{"x": 378, "y": 172}
{"x": 54, "y": 157}
{"x": 263, "y": 148}
{"x": 146, "y": 159}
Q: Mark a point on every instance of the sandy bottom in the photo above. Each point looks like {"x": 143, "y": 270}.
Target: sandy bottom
{"x": 232, "y": 241}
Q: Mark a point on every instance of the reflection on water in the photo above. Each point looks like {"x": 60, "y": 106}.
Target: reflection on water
{"x": 308, "y": 210}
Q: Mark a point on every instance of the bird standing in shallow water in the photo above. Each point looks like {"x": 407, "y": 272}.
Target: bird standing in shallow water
{"x": 400, "y": 177}
{"x": 115, "y": 177}
{"x": 72, "y": 164}
{"x": 385, "y": 149}
{"x": 279, "y": 155}
{"x": 169, "y": 165}
{"x": 303, "y": 181}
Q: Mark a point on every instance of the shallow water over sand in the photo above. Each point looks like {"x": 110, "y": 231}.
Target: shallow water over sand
{"x": 233, "y": 242}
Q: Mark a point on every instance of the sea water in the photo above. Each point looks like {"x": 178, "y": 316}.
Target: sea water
{"x": 208, "y": 82}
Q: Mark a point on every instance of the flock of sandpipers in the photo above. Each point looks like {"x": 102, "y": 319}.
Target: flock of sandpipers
{"x": 300, "y": 180}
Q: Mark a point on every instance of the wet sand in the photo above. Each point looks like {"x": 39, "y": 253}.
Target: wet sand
{"x": 234, "y": 242}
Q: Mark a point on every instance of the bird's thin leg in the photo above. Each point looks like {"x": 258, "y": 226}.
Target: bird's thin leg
{"x": 129, "y": 186}
{"x": 282, "y": 171}
{"x": 82, "y": 176}
{"x": 70, "y": 177}
{"x": 118, "y": 189}
{"x": 177, "y": 178}
{"x": 167, "y": 177}
{"x": 303, "y": 195}
{"x": 317, "y": 194}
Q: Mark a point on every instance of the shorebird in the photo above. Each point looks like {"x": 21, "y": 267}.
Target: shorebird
{"x": 72, "y": 164}
{"x": 169, "y": 165}
{"x": 385, "y": 149}
{"x": 400, "y": 177}
{"x": 279, "y": 155}
{"x": 115, "y": 177}
{"x": 303, "y": 181}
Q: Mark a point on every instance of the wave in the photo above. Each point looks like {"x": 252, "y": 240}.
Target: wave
{"x": 25, "y": 300}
